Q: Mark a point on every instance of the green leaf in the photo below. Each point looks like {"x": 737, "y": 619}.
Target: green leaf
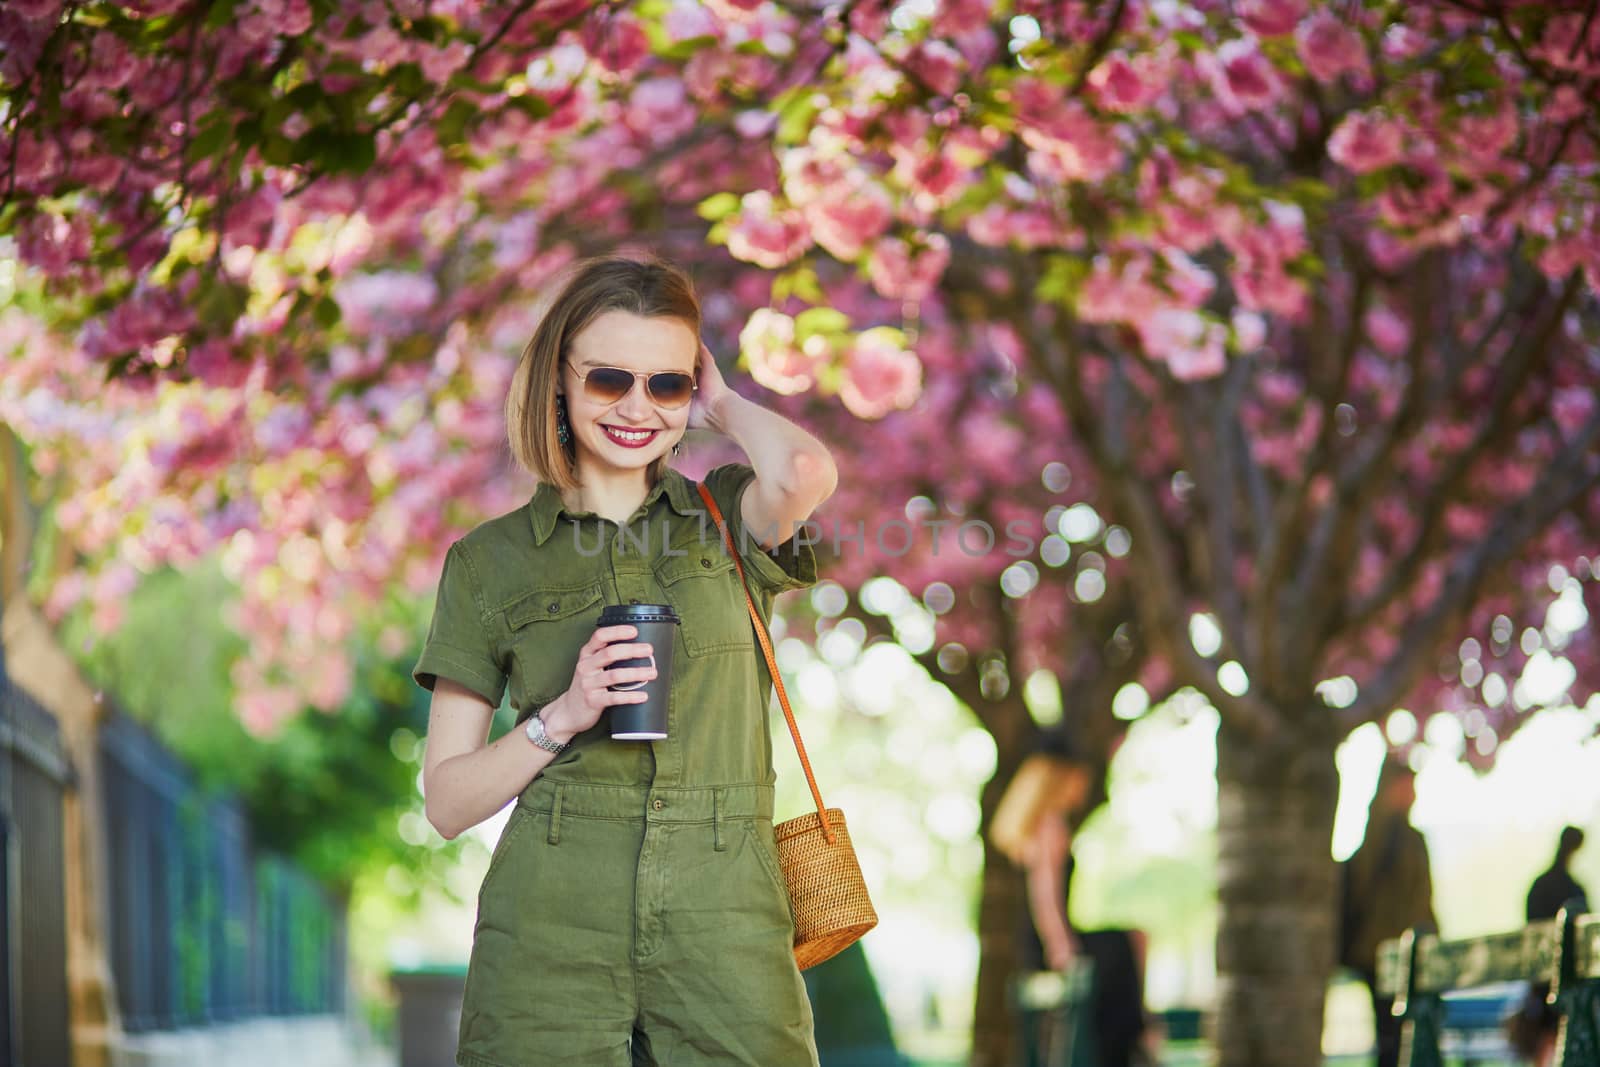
{"x": 452, "y": 125}
{"x": 427, "y": 28}
{"x": 1309, "y": 192}
{"x": 463, "y": 80}
{"x": 718, "y": 206}
{"x": 1063, "y": 277}
{"x": 531, "y": 104}
{"x": 666, "y": 48}
{"x": 799, "y": 282}
{"x": 220, "y": 15}
{"x": 214, "y": 132}
{"x": 406, "y": 79}
{"x": 326, "y": 312}
{"x": 823, "y": 320}
{"x": 219, "y": 304}
{"x": 279, "y": 150}
{"x": 795, "y": 116}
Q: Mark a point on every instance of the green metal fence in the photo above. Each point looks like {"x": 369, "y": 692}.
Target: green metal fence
{"x": 204, "y": 928}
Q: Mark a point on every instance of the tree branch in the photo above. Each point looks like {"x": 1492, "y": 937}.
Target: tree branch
{"x": 1496, "y": 428}
{"x": 1576, "y": 472}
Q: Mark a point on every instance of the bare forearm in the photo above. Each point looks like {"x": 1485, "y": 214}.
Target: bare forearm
{"x": 464, "y": 790}
{"x": 774, "y": 444}
{"x": 1045, "y": 893}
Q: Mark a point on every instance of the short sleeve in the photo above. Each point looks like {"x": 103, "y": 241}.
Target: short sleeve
{"x": 792, "y": 565}
{"x": 458, "y": 645}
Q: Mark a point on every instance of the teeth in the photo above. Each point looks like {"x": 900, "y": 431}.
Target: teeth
{"x": 640, "y": 435}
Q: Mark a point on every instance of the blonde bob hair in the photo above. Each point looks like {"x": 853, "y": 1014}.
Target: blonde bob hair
{"x": 646, "y": 286}
{"x": 1045, "y": 786}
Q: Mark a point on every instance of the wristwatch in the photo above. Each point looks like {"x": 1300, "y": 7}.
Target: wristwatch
{"x": 540, "y": 736}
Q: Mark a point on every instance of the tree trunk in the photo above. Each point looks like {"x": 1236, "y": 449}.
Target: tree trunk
{"x": 1000, "y": 907}
{"x": 1276, "y": 884}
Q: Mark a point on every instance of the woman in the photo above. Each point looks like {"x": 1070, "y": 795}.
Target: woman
{"x": 633, "y": 911}
{"x": 1033, "y": 828}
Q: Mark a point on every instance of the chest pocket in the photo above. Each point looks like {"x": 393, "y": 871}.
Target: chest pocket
{"x": 548, "y": 627}
{"x": 703, "y": 588}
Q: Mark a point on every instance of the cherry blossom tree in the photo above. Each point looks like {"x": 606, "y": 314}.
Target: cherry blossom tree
{"x": 1316, "y": 290}
{"x": 950, "y": 543}
{"x": 1304, "y": 295}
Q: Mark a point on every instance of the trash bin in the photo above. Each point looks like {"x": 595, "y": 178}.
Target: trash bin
{"x": 428, "y": 1016}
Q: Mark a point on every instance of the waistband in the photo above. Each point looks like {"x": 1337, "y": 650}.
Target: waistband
{"x": 654, "y": 803}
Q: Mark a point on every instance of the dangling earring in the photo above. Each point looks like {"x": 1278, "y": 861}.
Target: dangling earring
{"x": 677, "y": 446}
{"x": 563, "y": 429}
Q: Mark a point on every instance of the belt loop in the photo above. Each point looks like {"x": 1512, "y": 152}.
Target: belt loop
{"x": 717, "y": 802}
{"x": 555, "y": 816}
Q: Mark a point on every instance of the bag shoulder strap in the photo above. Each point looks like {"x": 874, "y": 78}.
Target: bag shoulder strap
{"x": 772, "y": 663}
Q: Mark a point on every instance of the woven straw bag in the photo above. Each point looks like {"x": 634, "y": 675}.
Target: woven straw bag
{"x": 826, "y": 890}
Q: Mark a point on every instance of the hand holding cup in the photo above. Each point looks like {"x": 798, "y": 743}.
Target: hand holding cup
{"x": 597, "y": 684}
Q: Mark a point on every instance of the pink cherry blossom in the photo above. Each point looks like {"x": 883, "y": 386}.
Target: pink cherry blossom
{"x": 386, "y": 303}
{"x": 1249, "y": 330}
{"x": 937, "y": 65}
{"x": 1191, "y": 346}
{"x": 775, "y": 360}
{"x": 1270, "y": 18}
{"x": 37, "y": 10}
{"x": 899, "y": 274}
{"x": 1389, "y": 332}
{"x": 1364, "y": 142}
{"x": 1122, "y": 85}
{"x": 659, "y": 110}
{"x": 1071, "y": 144}
{"x": 844, "y": 220}
{"x": 764, "y": 235}
{"x": 733, "y": 10}
{"x": 1244, "y": 79}
{"x": 687, "y": 20}
{"x": 619, "y": 44}
{"x": 880, "y": 375}
{"x": 1330, "y": 47}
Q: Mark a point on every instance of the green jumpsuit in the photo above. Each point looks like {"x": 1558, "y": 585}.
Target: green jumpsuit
{"x": 633, "y": 911}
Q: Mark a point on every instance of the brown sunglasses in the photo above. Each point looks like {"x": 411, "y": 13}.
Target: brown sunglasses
{"x": 607, "y": 385}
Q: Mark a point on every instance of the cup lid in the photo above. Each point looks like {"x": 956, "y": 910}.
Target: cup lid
{"x": 627, "y": 613}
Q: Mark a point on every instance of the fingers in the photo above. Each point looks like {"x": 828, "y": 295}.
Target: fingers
{"x": 612, "y": 653}
{"x": 622, "y": 675}
{"x": 605, "y": 635}
{"x": 608, "y": 645}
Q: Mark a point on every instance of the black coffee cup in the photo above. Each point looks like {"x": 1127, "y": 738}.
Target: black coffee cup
{"x": 655, "y": 623}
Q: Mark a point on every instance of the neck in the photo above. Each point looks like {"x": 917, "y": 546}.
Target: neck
{"x": 615, "y": 498}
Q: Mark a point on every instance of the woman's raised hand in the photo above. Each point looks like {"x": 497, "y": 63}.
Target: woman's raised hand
{"x": 712, "y": 389}
{"x": 579, "y": 708}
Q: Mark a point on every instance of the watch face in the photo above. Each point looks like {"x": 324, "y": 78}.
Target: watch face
{"x": 537, "y": 734}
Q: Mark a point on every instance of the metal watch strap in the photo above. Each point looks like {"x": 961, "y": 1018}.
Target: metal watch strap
{"x": 535, "y": 729}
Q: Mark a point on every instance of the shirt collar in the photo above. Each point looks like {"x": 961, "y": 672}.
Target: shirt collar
{"x": 546, "y": 505}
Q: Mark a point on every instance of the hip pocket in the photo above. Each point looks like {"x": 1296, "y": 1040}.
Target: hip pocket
{"x": 765, "y": 847}
{"x": 519, "y": 818}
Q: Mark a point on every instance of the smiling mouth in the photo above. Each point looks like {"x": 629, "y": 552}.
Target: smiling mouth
{"x": 629, "y": 438}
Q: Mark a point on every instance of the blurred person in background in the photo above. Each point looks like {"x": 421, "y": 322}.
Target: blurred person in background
{"x": 1533, "y": 1029}
{"x": 1556, "y": 888}
{"x": 1033, "y": 827}
{"x": 1386, "y": 888}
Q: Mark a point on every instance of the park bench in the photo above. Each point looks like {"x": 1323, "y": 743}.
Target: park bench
{"x": 1432, "y": 981}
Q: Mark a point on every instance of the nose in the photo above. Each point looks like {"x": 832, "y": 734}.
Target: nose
{"x": 635, "y": 405}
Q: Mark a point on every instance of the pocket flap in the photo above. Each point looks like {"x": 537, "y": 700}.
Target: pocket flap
{"x": 701, "y": 562}
{"x": 551, "y": 604}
